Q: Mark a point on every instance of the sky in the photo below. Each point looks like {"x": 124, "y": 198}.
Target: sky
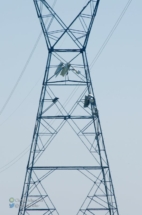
{"x": 116, "y": 78}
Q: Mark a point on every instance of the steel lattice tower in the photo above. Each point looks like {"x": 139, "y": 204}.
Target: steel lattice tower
{"x": 66, "y": 69}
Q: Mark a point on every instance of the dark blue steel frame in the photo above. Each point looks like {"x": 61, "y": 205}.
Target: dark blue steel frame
{"x": 106, "y": 203}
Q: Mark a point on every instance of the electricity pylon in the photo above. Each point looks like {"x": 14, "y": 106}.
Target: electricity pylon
{"x": 66, "y": 69}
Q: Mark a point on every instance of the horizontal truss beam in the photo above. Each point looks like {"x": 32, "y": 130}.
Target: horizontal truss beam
{"x": 96, "y": 209}
{"x": 66, "y": 50}
{"x": 41, "y": 209}
{"x": 68, "y": 167}
{"x": 66, "y": 117}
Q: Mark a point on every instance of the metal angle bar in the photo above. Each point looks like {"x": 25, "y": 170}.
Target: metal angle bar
{"x": 55, "y": 32}
{"x": 74, "y": 58}
{"x": 58, "y": 57}
{"x": 46, "y": 16}
{"x": 77, "y": 31}
{"x": 67, "y": 85}
{"x": 86, "y": 16}
{"x": 87, "y": 134}
{"x": 42, "y": 25}
{"x": 68, "y": 167}
{"x": 81, "y": 36}
{"x": 51, "y": 212}
{"x": 91, "y": 8}
{"x": 82, "y": 25}
{"x": 46, "y": 129}
{"x": 92, "y": 199}
{"x": 98, "y": 197}
{"x": 78, "y": 65}
{"x": 46, "y": 134}
{"x": 66, "y": 117}
{"x": 50, "y": 126}
{"x": 86, "y": 126}
{"x": 83, "y": 107}
{"x": 40, "y": 209}
{"x": 90, "y": 212}
{"x": 86, "y": 175}
{"x": 98, "y": 202}
{"x": 66, "y": 50}
{"x": 97, "y": 178}
{"x": 96, "y": 209}
{"x": 38, "y": 195}
{"x": 53, "y": 38}
{"x": 84, "y": 82}
{"x": 91, "y": 23}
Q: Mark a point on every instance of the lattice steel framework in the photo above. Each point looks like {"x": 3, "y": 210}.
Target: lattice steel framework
{"x": 84, "y": 121}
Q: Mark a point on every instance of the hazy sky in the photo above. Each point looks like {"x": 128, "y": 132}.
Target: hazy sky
{"x": 116, "y": 78}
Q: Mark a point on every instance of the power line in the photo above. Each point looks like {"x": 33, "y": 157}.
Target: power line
{"x": 23, "y": 70}
{"x": 110, "y": 34}
{"x": 25, "y": 150}
{"x": 21, "y": 74}
{"x": 15, "y": 160}
{"x": 21, "y": 102}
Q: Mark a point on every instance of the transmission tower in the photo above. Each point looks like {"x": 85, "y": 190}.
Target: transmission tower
{"x": 66, "y": 70}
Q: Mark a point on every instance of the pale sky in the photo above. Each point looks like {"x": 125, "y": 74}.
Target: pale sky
{"x": 116, "y": 78}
